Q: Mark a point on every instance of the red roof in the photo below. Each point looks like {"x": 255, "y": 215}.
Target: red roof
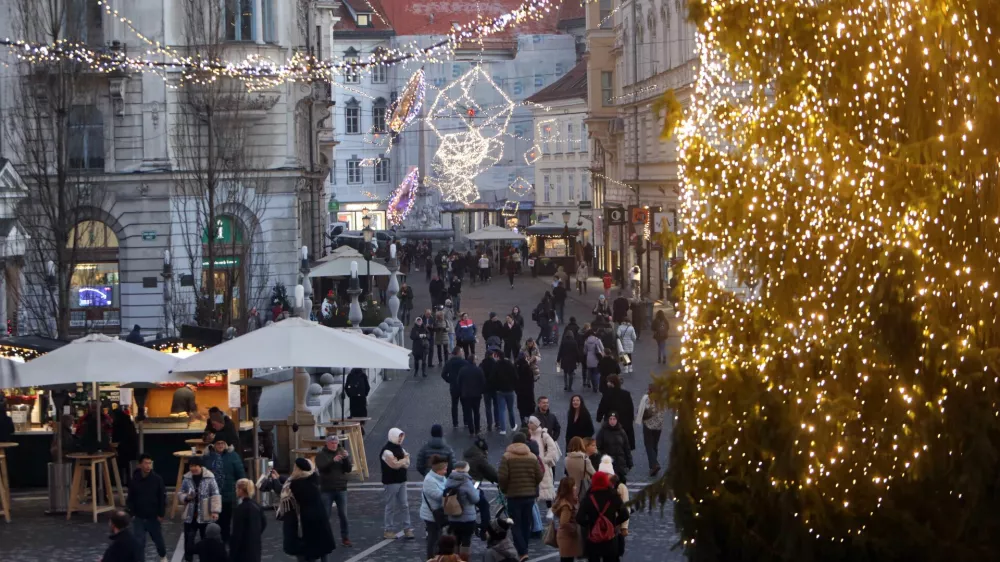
{"x": 572, "y": 85}
{"x": 347, "y": 23}
{"x": 434, "y": 17}
{"x": 572, "y": 10}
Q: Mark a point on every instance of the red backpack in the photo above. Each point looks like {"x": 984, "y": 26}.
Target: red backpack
{"x": 603, "y": 529}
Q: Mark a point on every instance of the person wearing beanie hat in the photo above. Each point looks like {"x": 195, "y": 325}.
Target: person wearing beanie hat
{"x": 613, "y": 441}
{"x": 500, "y": 541}
{"x": 436, "y": 445}
{"x": 395, "y": 461}
{"x": 492, "y": 328}
{"x": 211, "y": 548}
{"x": 334, "y": 465}
{"x": 481, "y": 470}
{"x": 227, "y": 468}
{"x": 549, "y": 454}
{"x": 305, "y": 526}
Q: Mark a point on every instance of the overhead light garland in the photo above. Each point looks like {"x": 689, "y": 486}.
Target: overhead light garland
{"x": 407, "y": 107}
{"x": 838, "y": 376}
{"x": 401, "y": 202}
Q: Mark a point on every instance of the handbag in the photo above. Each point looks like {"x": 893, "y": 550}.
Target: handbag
{"x": 625, "y": 359}
{"x": 536, "y": 520}
{"x": 550, "y": 535}
{"x": 440, "y": 519}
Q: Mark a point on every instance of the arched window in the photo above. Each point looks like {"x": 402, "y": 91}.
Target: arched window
{"x": 378, "y": 115}
{"x": 86, "y": 139}
{"x": 94, "y": 299}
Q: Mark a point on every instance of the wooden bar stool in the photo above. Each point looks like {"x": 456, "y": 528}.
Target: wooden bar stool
{"x": 117, "y": 473}
{"x": 354, "y": 440}
{"x": 85, "y": 462}
{"x": 198, "y": 444}
{"x": 5, "y": 481}
{"x": 182, "y": 461}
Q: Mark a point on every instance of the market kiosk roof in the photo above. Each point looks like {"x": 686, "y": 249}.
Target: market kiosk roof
{"x": 28, "y": 347}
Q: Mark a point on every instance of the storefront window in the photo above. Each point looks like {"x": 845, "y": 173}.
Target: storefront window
{"x": 94, "y": 295}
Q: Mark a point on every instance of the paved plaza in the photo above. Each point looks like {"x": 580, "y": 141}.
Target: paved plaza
{"x": 412, "y": 404}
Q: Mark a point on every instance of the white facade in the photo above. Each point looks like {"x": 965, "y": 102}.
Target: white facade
{"x": 562, "y": 171}
{"x": 137, "y": 163}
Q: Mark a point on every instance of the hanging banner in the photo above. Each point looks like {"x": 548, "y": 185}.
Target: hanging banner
{"x": 234, "y": 389}
{"x": 598, "y": 230}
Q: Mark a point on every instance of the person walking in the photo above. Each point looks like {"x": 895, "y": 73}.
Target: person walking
{"x": 581, "y": 278}
{"x": 619, "y": 308}
{"x": 525, "y": 388}
{"x": 462, "y": 521}
{"x": 492, "y": 328}
{"x": 599, "y": 516}
{"x": 650, "y": 416}
{"x": 211, "y": 548}
{"x": 455, "y": 291}
{"x": 607, "y": 467}
{"x": 511, "y": 336}
{"x": 480, "y": 470}
{"x": 638, "y": 316}
{"x": 420, "y": 346}
{"x": 617, "y": 399}
{"x": 559, "y": 301}
{"x": 608, "y": 364}
{"x": 606, "y": 282}
{"x": 593, "y": 349}
{"x": 227, "y": 468}
{"x": 626, "y": 344}
{"x": 124, "y": 433}
{"x": 431, "y": 502}
{"x": 429, "y": 266}
{"x": 334, "y": 465}
{"x": 547, "y": 418}
{"x": 515, "y": 313}
{"x": 436, "y": 446}
{"x": 511, "y": 266}
{"x": 484, "y": 269}
{"x": 202, "y": 502}
{"x": 405, "y": 303}
{"x": 249, "y": 523}
{"x": 449, "y": 315}
{"x": 579, "y": 423}
{"x": 568, "y": 357}
{"x": 488, "y": 367}
{"x": 357, "y": 388}
{"x": 305, "y": 529}
{"x": 437, "y": 291}
{"x": 661, "y": 331}
{"x": 549, "y": 454}
{"x": 471, "y": 386}
{"x": 578, "y": 465}
{"x": 544, "y": 315}
{"x": 519, "y": 476}
{"x": 568, "y": 531}
{"x": 147, "y": 502}
{"x": 395, "y": 461}
{"x": 613, "y": 442}
{"x": 505, "y": 381}
{"x": 122, "y": 547}
{"x": 449, "y": 372}
{"x": 441, "y": 331}
{"x": 466, "y": 334}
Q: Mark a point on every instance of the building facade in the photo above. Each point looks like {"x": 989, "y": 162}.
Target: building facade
{"x": 140, "y": 152}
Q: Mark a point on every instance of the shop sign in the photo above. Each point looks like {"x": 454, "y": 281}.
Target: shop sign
{"x": 616, "y": 216}
{"x": 333, "y": 206}
{"x": 225, "y": 231}
{"x": 148, "y": 235}
{"x": 586, "y": 205}
{"x": 639, "y": 215}
{"x": 224, "y": 262}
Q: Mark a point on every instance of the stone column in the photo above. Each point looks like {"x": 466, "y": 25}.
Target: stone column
{"x": 393, "y": 289}
{"x": 301, "y": 417}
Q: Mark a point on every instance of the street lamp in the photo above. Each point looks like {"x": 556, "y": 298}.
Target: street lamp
{"x": 368, "y": 234}
{"x": 566, "y": 215}
{"x": 640, "y": 228}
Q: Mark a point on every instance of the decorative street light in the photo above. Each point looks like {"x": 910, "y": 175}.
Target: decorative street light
{"x": 369, "y": 235}
{"x": 640, "y": 228}
{"x": 566, "y": 215}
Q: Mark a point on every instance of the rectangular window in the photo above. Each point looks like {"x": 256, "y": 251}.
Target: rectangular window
{"x": 364, "y": 20}
{"x": 378, "y": 117}
{"x": 559, "y": 188}
{"x": 605, "y": 11}
{"x": 379, "y": 74}
{"x": 569, "y": 138}
{"x": 382, "y": 170}
{"x": 571, "y": 186}
{"x": 546, "y": 189}
{"x": 351, "y": 74}
{"x": 240, "y": 20}
{"x": 86, "y": 141}
{"x": 352, "y": 120}
{"x": 607, "y": 88}
{"x": 354, "y": 171}
{"x": 267, "y": 18}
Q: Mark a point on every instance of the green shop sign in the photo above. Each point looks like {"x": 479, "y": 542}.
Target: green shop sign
{"x": 333, "y": 206}
{"x": 225, "y": 262}
{"x": 225, "y": 232}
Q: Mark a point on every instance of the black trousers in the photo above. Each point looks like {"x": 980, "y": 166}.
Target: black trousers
{"x": 455, "y": 398}
{"x": 470, "y": 412}
{"x": 511, "y": 350}
{"x": 469, "y": 348}
{"x": 226, "y": 520}
{"x": 191, "y": 530}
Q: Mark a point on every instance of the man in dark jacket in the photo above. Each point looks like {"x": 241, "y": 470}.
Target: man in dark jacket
{"x": 449, "y": 372}
{"x": 620, "y": 308}
{"x": 436, "y": 445}
{"x": 249, "y": 523}
{"x": 492, "y": 327}
{"x": 471, "y": 386}
{"x": 147, "y": 502}
{"x": 481, "y": 470}
{"x": 548, "y": 420}
{"x": 135, "y": 336}
{"x": 334, "y": 466}
{"x": 455, "y": 292}
{"x": 504, "y": 381}
{"x": 437, "y": 292}
{"x": 559, "y": 301}
{"x": 220, "y": 426}
{"x": 122, "y": 547}
{"x": 487, "y": 365}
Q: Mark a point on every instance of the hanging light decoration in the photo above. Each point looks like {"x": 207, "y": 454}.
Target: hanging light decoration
{"x": 401, "y": 202}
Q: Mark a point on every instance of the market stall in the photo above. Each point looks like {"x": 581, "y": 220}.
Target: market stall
{"x": 552, "y": 244}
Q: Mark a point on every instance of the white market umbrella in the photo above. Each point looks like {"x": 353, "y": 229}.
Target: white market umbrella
{"x": 295, "y": 342}
{"x": 493, "y": 232}
{"x": 10, "y": 377}
{"x": 338, "y": 264}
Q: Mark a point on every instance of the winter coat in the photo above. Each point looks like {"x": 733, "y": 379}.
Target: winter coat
{"x": 208, "y": 497}
{"x": 306, "y": 530}
{"x": 568, "y": 533}
{"x": 468, "y": 496}
{"x": 568, "y": 356}
{"x": 227, "y": 468}
{"x": 661, "y": 329}
{"x": 534, "y": 357}
{"x": 619, "y": 309}
{"x": 479, "y": 465}
{"x": 135, "y": 336}
{"x": 608, "y": 502}
{"x": 579, "y": 467}
{"x": 520, "y": 473}
{"x": 406, "y": 298}
{"x": 512, "y": 334}
{"x": 610, "y": 342}
{"x": 613, "y": 441}
{"x": 593, "y": 349}
{"x": 122, "y": 548}
{"x": 488, "y": 367}
{"x": 437, "y": 289}
{"x": 582, "y": 427}
{"x": 518, "y": 319}
{"x": 394, "y": 459}
{"x": 434, "y": 446}
{"x": 466, "y": 331}
{"x": 333, "y": 474}
{"x": 492, "y": 328}
{"x": 652, "y": 413}
{"x": 431, "y": 492}
{"x": 441, "y": 330}
{"x": 357, "y": 389}
{"x": 525, "y": 388}
{"x": 211, "y": 548}
{"x": 550, "y": 454}
{"x": 249, "y": 522}
{"x": 607, "y": 366}
{"x": 471, "y": 381}
{"x": 147, "y": 496}
{"x": 452, "y": 367}
{"x": 619, "y": 401}
{"x": 449, "y": 315}
{"x": 626, "y": 335}
{"x": 550, "y": 422}
{"x": 505, "y": 376}
{"x": 421, "y": 339}
{"x": 559, "y": 294}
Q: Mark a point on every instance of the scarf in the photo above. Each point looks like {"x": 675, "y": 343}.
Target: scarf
{"x": 287, "y": 501}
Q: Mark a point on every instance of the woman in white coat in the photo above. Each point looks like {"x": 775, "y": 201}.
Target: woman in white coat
{"x": 626, "y": 344}
{"x": 549, "y": 454}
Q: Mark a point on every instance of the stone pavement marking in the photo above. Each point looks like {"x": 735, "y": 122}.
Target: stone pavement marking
{"x": 371, "y": 550}
{"x": 178, "y": 550}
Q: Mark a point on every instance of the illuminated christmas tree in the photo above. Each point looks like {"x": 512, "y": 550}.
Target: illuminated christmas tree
{"x": 837, "y": 391}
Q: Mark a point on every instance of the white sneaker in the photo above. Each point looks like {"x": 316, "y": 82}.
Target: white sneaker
{"x": 503, "y": 432}
{"x": 164, "y": 559}
{"x": 513, "y": 429}
{"x": 548, "y": 514}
